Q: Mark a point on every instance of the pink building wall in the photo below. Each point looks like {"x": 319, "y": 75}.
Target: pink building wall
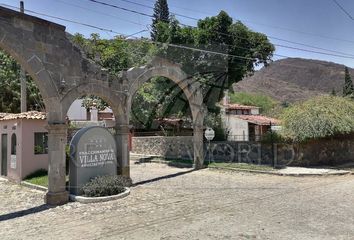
{"x": 32, "y": 162}
{"x": 26, "y": 160}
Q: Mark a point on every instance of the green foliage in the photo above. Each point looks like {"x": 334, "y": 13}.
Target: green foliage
{"x": 158, "y": 98}
{"x": 272, "y": 137}
{"x": 10, "y": 88}
{"x": 348, "y": 89}
{"x": 266, "y": 103}
{"x": 39, "y": 177}
{"x": 67, "y": 159}
{"x": 217, "y": 34}
{"x": 161, "y": 14}
{"x": 214, "y": 121}
{"x": 215, "y": 72}
{"x": 114, "y": 55}
{"x": 241, "y": 166}
{"x": 93, "y": 101}
{"x": 106, "y": 186}
{"x": 317, "y": 118}
{"x": 39, "y": 149}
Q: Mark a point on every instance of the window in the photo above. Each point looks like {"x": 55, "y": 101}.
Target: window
{"x": 40, "y": 143}
{"x": 13, "y": 144}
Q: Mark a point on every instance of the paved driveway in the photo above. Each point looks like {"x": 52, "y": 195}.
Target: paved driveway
{"x": 177, "y": 203}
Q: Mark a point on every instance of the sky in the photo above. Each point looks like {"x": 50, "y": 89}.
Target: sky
{"x": 319, "y": 23}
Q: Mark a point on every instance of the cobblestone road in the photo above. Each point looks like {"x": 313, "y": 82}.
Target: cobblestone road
{"x": 177, "y": 203}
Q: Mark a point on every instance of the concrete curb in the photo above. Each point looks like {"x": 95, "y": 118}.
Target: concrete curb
{"x": 34, "y": 186}
{"x": 86, "y": 200}
{"x": 283, "y": 174}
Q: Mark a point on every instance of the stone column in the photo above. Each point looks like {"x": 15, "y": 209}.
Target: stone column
{"x": 122, "y": 140}
{"x": 198, "y": 147}
{"x": 57, "y": 139}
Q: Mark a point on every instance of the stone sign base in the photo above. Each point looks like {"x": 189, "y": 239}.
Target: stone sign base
{"x": 82, "y": 199}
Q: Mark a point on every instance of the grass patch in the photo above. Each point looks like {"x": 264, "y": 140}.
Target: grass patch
{"x": 184, "y": 161}
{"x": 242, "y": 166}
{"x": 39, "y": 177}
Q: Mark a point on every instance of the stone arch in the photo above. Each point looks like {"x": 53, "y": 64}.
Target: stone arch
{"x": 34, "y": 67}
{"x": 62, "y": 74}
{"x": 192, "y": 90}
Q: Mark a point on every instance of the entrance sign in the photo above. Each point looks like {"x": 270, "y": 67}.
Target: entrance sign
{"x": 209, "y": 134}
{"x": 92, "y": 154}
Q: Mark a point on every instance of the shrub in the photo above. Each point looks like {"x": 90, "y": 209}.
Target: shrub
{"x": 319, "y": 117}
{"x": 106, "y": 186}
{"x": 272, "y": 137}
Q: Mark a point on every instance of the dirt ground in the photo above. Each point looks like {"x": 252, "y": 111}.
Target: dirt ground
{"x": 178, "y": 203}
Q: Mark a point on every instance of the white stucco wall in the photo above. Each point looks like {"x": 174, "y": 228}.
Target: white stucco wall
{"x": 238, "y": 128}
{"x": 76, "y": 112}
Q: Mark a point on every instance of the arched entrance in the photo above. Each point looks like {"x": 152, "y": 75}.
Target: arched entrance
{"x": 63, "y": 74}
{"x": 136, "y": 77}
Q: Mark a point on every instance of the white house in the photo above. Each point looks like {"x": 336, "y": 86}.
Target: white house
{"x": 244, "y": 123}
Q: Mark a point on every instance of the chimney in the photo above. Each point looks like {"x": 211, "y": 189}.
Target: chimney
{"x": 22, "y": 7}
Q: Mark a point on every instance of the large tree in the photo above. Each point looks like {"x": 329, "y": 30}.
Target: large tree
{"x": 161, "y": 14}
{"x": 348, "y": 89}
{"x": 217, "y": 53}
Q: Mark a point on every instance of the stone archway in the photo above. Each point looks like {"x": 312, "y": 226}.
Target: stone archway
{"x": 136, "y": 77}
{"x": 62, "y": 74}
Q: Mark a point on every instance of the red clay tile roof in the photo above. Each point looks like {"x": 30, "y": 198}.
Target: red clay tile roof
{"x": 259, "y": 119}
{"x": 239, "y": 107}
{"x": 24, "y": 115}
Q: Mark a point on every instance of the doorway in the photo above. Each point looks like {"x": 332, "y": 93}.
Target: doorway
{"x": 4, "y": 154}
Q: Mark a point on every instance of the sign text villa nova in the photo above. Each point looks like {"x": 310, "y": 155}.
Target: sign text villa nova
{"x": 92, "y": 154}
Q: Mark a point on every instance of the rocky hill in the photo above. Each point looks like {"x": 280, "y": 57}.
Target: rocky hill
{"x": 295, "y": 79}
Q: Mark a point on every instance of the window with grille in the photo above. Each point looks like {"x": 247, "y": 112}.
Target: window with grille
{"x": 40, "y": 143}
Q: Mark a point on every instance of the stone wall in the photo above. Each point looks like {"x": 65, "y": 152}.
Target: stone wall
{"x": 170, "y": 147}
{"x": 328, "y": 151}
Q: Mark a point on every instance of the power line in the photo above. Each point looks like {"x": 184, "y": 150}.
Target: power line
{"x": 71, "y": 21}
{"x": 343, "y": 9}
{"x": 168, "y": 44}
{"x": 124, "y": 35}
{"x": 121, "y": 8}
{"x": 310, "y": 46}
{"x": 137, "y": 12}
{"x": 101, "y": 13}
{"x": 252, "y": 22}
{"x": 173, "y": 13}
{"x": 304, "y": 50}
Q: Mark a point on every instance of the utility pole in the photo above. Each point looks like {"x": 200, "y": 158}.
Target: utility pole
{"x": 23, "y": 76}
